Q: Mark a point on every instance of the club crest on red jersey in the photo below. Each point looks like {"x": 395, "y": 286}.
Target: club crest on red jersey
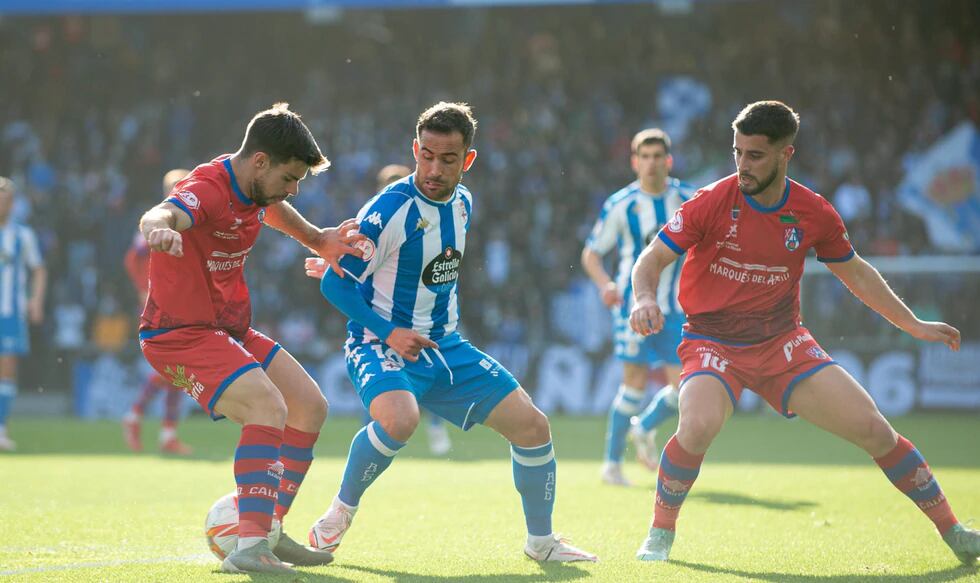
{"x": 794, "y": 237}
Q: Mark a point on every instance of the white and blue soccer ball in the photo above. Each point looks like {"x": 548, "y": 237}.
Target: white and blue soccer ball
{"x": 221, "y": 526}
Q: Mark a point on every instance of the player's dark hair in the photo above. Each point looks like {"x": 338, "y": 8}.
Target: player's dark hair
{"x": 283, "y": 136}
{"x": 446, "y": 118}
{"x": 650, "y": 136}
{"x": 773, "y": 119}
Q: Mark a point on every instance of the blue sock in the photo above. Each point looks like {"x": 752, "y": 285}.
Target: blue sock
{"x": 534, "y": 478}
{"x": 366, "y": 417}
{"x": 662, "y": 407}
{"x": 7, "y": 392}
{"x": 371, "y": 452}
{"x": 625, "y": 405}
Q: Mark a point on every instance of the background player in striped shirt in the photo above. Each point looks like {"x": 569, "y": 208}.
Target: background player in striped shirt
{"x": 746, "y": 237}
{"x": 629, "y": 220}
{"x": 403, "y": 350}
{"x": 137, "y": 263}
{"x": 23, "y": 281}
{"x": 196, "y": 326}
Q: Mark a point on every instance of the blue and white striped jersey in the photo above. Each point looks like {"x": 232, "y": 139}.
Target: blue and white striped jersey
{"x": 19, "y": 254}
{"x": 412, "y": 258}
{"x": 630, "y": 219}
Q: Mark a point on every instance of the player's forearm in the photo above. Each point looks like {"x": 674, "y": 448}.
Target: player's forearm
{"x": 592, "y": 264}
{"x": 645, "y": 277}
{"x": 343, "y": 294}
{"x": 39, "y": 285}
{"x": 156, "y": 218}
{"x": 285, "y": 218}
{"x": 868, "y": 286}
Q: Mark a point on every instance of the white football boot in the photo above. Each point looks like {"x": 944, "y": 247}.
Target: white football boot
{"x": 327, "y": 533}
{"x": 554, "y": 548}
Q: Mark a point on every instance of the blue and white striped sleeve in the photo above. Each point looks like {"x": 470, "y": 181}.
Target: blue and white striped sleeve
{"x": 32, "y": 251}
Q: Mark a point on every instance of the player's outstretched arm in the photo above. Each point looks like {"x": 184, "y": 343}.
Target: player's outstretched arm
{"x": 161, "y": 227}
{"x": 343, "y": 294}
{"x": 592, "y": 264}
{"x": 329, "y": 243}
{"x": 864, "y": 281}
{"x": 646, "y": 317}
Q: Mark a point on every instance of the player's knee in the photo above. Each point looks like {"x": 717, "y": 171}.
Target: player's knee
{"x": 878, "y": 437}
{"x": 316, "y": 408}
{"x": 400, "y": 426}
{"x": 265, "y": 406}
{"x": 699, "y": 430}
{"x": 533, "y": 430}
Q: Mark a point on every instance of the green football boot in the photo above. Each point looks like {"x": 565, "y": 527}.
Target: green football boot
{"x": 257, "y": 558}
{"x": 657, "y": 545}
{"x": 965, "y": 543}
{"x": 291, "y": 551}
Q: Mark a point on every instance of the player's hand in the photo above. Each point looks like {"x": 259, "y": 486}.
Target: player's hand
{"x": 936, "y": 332}
{"x": 408, "y": 343}
{"x": 35, "y": 311}
{"x": 611, "y": 296}
{"x": 167, "y": 240}
{"x": 646, "y": 317}
{"x": 334, "y": 243}
{"x": 316, "y": 267}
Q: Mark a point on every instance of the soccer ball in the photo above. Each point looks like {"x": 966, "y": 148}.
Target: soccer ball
{"x": 221, "y": 526}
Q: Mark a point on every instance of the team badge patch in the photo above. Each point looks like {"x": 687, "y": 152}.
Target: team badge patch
{"x": 189, "y": 198}
{"x": 367, "y": 249}
{"x": 676, "y": 224}
{"x": 794, "y": 237}
{"x": 261, "y": 217}
{"x": 817, "y": 352}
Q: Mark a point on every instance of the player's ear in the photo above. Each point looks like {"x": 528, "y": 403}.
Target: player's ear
{"x": 670, "y": 162}
{"x": 415, "y": 149}
{"x": 634, "y": 163}
{"x": 468, "y": 160}
{"x": 788, "y": 151}
{"x": 260, "y": 160}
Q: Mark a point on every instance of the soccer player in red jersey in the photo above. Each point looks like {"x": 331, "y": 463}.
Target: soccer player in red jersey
{"x": 746, "y": 237}
{"x": 195, "y": 328}
{"x": 137, "y": 264}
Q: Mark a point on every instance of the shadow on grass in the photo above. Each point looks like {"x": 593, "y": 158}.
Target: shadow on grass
{"x": 742, "y": 500}
{"x": 550, "y": 572}
{"x": 951, "y": 574}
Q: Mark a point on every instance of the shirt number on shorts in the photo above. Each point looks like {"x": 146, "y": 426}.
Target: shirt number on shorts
{"x": 709, "y": 360}
{"x": 390, "y": 360}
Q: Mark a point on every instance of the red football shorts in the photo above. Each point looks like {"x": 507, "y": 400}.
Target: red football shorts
{"x": 203, "y": 361}
{"x": 772, "y": 368}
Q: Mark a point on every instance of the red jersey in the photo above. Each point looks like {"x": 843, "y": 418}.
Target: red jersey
{"x": 137, "y": 264}
{"x": 206, "y": 287}
{"x": 741, "y": 277}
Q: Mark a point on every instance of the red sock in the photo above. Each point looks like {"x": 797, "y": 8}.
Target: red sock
{"x": 171, "y": 411}
{"x": 257, "y": 473}
{"x": 909, "y": 472}
{"x": 296, "y": 455}
{"x": 678, "y": 470}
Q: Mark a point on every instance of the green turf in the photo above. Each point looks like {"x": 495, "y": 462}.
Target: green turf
{"x": 776, "y": 501}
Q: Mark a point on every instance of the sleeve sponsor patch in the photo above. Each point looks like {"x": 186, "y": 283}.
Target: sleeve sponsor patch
{"x": 367, "y": 248}
{"x": 676, "y": 224}
{"x": 189, "y": 198}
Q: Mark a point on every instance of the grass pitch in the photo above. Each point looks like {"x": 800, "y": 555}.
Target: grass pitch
{"x": 776, "y": 501}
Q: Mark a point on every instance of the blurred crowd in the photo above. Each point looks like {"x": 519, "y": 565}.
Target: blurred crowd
{"x": 96, "y": 109}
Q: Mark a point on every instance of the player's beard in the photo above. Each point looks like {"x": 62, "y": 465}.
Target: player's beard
{"x": 762, "y": 185}
{"x": 260, "y": 197}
